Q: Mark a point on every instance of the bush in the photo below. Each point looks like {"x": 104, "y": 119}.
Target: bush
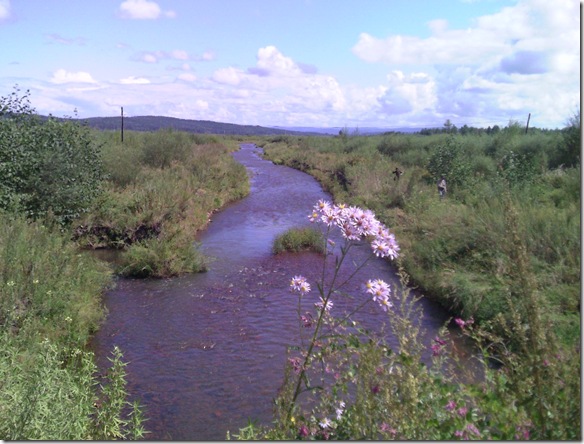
{"x": 45, "y": 165}
{"x": 299, "y": 239}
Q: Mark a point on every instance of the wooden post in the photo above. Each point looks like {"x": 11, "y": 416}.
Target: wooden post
{"x": 527, "y": 126}
{"x": 122, "y": 124}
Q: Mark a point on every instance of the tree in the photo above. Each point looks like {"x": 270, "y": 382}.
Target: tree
{"x": 46, "y": 165}
{"x": 450, "y": 161}
{"x": 572, "y": 141}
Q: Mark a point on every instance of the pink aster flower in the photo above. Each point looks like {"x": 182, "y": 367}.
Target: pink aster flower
{"x": 298, "y": 284}
{"x": 380, "y": 292}
{"x": 321, "y": 305}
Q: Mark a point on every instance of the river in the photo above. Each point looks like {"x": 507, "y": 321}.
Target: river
{"x": 206, "y": 351}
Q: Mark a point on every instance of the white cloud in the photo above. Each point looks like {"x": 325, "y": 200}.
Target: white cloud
{"x": 155, "y": 56}
{"x": 149, "y": 58}
{"x": 134, "y": 81}
{"x": 187, "y": 77}
{"x": 228, "y": 76}
{"x": 143, "y": 10}
{"x": 273, "y": 61}
{"x": 63, "y": 76}
{"x": 4, "y": 9}
{"x": 496, "y": 69}
{"x": 179, "y": 54}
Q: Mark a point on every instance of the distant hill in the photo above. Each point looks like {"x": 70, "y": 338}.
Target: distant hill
{"x": 335, "y": 130}
{"x": 154, "y": 123}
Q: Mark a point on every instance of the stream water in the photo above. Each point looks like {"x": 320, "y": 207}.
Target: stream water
{"x": 207, "y": 351}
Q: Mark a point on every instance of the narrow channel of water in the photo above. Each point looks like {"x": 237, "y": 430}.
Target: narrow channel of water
{"x": 207, "y": 351}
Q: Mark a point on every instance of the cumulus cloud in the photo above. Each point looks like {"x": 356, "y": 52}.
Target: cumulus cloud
{"x": 134, "y": 81}
{"x": 489, "y": 70}
{"x": 272, "y": 61}
{"x": 228, "y": 76}
{"x": 62, "y": 76}
{"x": 143, "y": 10}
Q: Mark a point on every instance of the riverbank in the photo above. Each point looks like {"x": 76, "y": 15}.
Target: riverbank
{"x": 161, "y": 191}
{"x": 459, "y": 249}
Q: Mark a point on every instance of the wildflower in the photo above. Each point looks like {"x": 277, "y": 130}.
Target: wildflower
{"x": 380, "y": 292}
{"x": 473, "y": 429}
{"x": 299, "y": 284}
{"x": 339, "y": 411}
{"x": 384, "y": 427}
{"x": 375, "y": 389}
{"x": 462, "y": 412}
{"x": 11, "y": 283}
{"x": 303, "y": 431}
{"x": 385, "y": 303}
{"x": 325, "y": 423}
{"x": 450, "y": 406}
{"x": 460, "y": 322}
{"x": 523, "y": 431}
{"x": 327, "y": 306}
{"x": 296, "y": 364}
{"x": 438, "y": 346}
{"x": 307, "y": 320}
{"x": 330, "y": 217}
{"x": 380, "y": 248}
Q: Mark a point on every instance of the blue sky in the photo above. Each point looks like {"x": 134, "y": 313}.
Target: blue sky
{"x": 321, "y": 63}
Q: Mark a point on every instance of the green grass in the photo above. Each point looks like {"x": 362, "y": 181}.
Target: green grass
{"x": 455, "y": 249}
{"x": 158, "y": 197}
{"x": 299, "y": 239}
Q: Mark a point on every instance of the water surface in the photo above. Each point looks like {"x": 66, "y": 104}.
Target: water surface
{"x": 207, "y": 351}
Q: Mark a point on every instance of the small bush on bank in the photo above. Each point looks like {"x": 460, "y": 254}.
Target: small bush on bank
{"x": 299, "y": 239}
{"x": 154, "y": 212}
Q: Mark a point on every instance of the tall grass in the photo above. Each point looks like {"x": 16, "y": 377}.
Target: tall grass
{"x": 50, "y": 303}
{"x": 163, "y": 188}
{"x": 455, "y": 247}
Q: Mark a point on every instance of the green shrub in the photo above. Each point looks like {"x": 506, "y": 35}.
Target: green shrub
{"x": 299, "y": 239}
{"x": 46, "y": 166}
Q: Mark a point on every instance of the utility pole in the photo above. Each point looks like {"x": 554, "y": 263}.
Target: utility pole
{"x": 527, "y": 126}
{"x": 122, "y": 124}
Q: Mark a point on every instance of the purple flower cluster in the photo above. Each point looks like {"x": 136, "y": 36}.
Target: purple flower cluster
{"x": 356, "y": 224}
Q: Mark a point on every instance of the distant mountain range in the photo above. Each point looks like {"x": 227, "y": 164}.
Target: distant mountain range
{"x": 154, "y": 123}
